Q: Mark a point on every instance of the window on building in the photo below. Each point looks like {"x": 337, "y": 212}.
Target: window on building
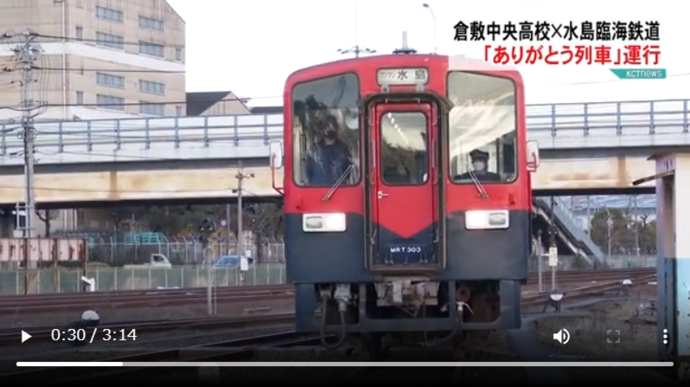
{"x": 150, "y": 87}
{"x": 110, "y": 14}
{"x": 79, "y": 33}
{"x": 152, "y": 49}
{"x": 110, "y": 80}
{"x": 178, "y": 111}
{"x": 151, "y": 24}
{"x": 80, "y": 97}
{"x": 178, "y": 55}
{"x": 110, "y": 102}
{"x": 152, "y": 109}
{"x": 111, "y": 41}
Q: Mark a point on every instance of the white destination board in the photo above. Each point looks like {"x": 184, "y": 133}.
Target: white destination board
{"x": 402, "y": 76}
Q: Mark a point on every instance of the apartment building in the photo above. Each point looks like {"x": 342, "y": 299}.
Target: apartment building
{"x": 108, "y": 58}
{"x": 104, "y": 59}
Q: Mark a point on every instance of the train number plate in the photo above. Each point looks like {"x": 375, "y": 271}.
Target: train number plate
{"x": 405, "y": 254}
{"x": 405, "y": 250}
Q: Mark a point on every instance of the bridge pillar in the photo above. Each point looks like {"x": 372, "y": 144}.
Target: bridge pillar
{"x": 673, "y": 258}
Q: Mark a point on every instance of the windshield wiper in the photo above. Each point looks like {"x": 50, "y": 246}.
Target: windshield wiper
{"x": 478, "y": 185}
{"x": 337, "y": 183}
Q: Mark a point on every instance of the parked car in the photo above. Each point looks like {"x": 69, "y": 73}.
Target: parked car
{"x": 231, "y": 262}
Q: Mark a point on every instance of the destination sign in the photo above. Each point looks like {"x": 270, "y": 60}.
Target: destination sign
{"x": 401, "y": 77}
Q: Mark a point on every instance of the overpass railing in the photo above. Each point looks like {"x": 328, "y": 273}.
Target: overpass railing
{"x": 609, "y": 124}
{"x": 570, "y": 125}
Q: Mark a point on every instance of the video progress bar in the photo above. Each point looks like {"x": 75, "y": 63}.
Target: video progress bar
{"x": 348, "y": 364}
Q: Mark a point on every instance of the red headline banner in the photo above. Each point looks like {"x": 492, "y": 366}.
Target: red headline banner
{"x": 603, "y": 31}
{"x": 579, "y": 54}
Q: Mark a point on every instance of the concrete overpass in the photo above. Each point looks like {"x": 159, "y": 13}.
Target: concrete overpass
{"x": 589, "y": 147}
{"x": 217, "y": 182}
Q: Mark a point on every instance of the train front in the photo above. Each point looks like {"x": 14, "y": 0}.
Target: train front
{"x": 406, "y": 196}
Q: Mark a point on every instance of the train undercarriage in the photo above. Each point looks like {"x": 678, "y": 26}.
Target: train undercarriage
{"x": 407, "y": 311}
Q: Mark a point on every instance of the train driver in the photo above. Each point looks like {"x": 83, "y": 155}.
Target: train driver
{"x": 329, "y": 158}
{"x": 480, "y": 162}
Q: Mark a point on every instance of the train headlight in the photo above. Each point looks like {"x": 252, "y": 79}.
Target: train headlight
{"x": 324, "y": 223}
{"x": 486, "y": 220}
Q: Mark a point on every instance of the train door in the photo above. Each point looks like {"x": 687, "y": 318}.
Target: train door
{"x": 403, "y": 188}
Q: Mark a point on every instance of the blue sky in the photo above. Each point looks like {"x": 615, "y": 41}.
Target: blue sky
{"x": 251, "y": 47}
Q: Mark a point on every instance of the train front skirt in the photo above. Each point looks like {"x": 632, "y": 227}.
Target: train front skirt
{"x": 365, "y": 315}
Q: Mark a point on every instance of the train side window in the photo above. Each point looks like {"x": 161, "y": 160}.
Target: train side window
{"x": 404, "y": 148}
{"x": 482, "y": 128}
{"x": 325, "y": 131}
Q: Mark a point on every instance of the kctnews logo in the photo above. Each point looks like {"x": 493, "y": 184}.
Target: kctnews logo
{"x": 640, "y": 73}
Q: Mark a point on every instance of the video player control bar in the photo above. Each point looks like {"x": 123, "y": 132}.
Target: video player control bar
{"x": 349, "y": 364}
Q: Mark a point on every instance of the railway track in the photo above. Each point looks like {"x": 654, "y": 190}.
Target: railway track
{"x": 41, "y": 303}
{"x": 575, "y": 276}
{"x": 243, "y": 349}
{"x": 8, "y": 336}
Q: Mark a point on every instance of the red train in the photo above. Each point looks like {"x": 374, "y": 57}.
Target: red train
{"x": 407, "y": 196}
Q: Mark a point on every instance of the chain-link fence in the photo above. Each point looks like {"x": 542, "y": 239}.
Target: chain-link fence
{"x": 178, "y": 251}
{"x": 59, "y": 280}
{"x": 570, "y": 262}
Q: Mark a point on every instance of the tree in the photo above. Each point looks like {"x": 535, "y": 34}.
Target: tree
{"x": 173, "y": 220}
{"x": 266, "y": 220}
{"x": 607, "y": 228}
{"x": 616, "y": 232}
{"x": 46, "y": 216}
{"x": 647, "y": 236}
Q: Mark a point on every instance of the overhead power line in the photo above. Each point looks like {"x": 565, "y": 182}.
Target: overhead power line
{"x": 357, "y": 50}
{"x": 96, "y": 41}
{"x": 238, "y": 99}
{"x": 79, "y": 70}
{"x": 8, "y": 67}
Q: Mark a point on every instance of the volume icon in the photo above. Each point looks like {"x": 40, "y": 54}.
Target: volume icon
{"x": 562, "y": 336}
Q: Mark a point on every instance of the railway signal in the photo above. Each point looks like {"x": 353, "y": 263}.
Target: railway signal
{"x": 206, "y": 229}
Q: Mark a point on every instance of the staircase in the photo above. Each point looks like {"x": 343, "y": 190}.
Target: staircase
{"x": 569, "y": 229}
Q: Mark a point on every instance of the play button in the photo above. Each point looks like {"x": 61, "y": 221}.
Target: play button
{"x": 25, "y": 336}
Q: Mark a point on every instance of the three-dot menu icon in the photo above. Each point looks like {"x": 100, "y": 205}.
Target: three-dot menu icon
{"x": 665, "y": 336}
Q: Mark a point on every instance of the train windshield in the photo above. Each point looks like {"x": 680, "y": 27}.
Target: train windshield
{"x": 482, "y": 128}
{"x": 325, "y": 132}
{"x": 404, "y": 151}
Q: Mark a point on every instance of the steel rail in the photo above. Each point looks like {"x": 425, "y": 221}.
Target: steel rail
{"x": 156, "y": 298}
{"x": 229, "y": 351}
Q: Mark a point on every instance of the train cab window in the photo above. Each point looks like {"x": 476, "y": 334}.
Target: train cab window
{"x": 404, "y": 148}
{"x": 482, "y": 128}
{"x": 325, "y": 131}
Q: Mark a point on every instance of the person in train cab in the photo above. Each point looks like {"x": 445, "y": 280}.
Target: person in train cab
{"x": 330, "y": 157}
{"x": 480, "y": 162}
